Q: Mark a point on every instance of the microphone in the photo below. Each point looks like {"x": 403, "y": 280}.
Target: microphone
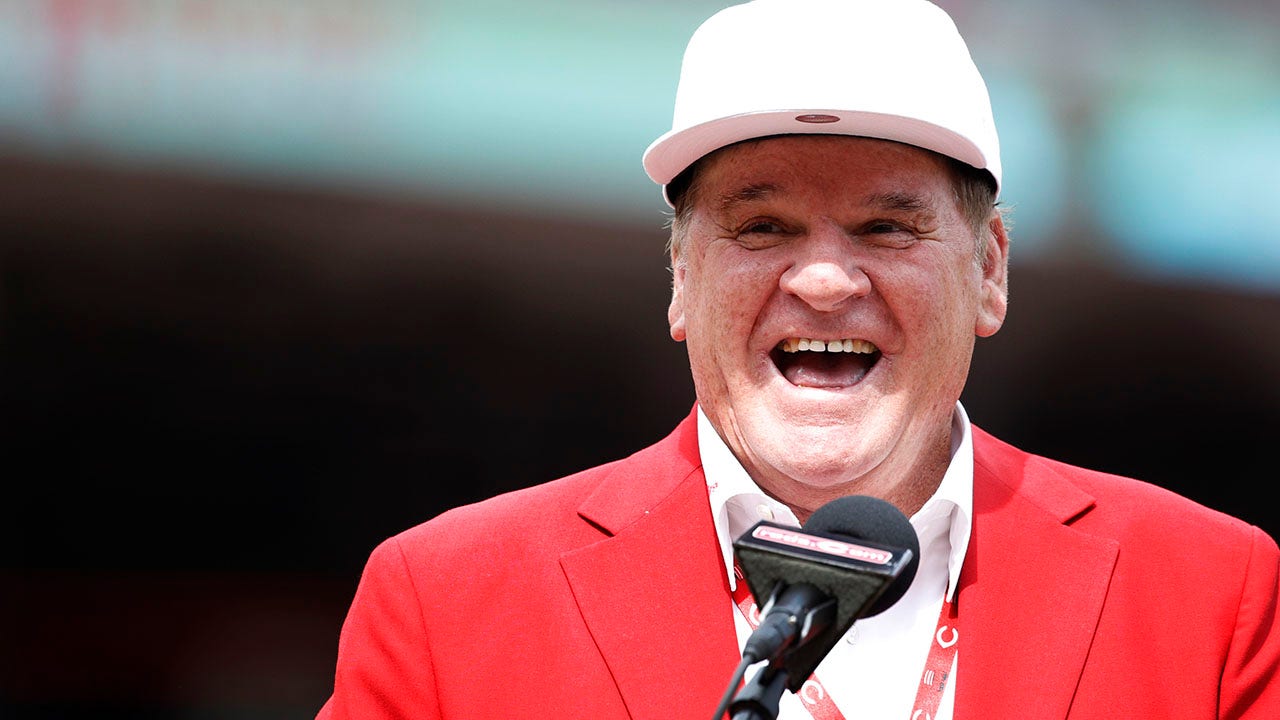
{"x": 854, "y": 558}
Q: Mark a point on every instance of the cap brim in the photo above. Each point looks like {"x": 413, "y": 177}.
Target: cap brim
{"x": 676, "y": 150}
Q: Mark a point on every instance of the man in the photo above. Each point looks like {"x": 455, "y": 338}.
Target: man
{"x": 836, "y": 250}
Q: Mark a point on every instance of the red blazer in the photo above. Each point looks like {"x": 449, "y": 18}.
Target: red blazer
{"x": 1084, "y": 596}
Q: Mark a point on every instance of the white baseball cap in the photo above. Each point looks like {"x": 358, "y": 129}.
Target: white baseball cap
{"x": 889, "y": 69}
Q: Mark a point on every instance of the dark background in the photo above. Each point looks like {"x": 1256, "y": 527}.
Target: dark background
{"x": 217, "y": 397}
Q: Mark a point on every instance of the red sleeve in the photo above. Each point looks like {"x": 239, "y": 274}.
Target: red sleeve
{"x": 1250, "y": 684}
{"x": 384, "y": 667}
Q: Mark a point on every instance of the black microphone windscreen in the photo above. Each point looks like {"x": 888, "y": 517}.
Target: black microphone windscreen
{"x": 860, "y": 551}
{"x": 863, "y": 517}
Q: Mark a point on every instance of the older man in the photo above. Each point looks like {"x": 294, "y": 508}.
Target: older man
{"x": 836, "y": 250}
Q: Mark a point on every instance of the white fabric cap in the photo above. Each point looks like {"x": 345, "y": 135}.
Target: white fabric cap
{"x": 889, "y": 69}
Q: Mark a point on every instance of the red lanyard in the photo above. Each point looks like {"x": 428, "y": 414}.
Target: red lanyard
{"x": 933, "y": 681}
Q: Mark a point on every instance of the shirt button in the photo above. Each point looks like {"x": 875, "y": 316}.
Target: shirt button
{"x": 764, "y": 511}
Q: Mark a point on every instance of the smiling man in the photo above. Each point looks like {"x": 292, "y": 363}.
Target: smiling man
{"x": 837, "y": 251}
{"x": 829, "y": 289}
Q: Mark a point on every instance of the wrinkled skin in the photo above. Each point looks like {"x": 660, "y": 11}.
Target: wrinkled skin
{"x": 834, "y": 237}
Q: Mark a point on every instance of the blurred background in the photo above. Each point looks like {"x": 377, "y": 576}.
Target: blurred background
{"x": 281, "y": 278}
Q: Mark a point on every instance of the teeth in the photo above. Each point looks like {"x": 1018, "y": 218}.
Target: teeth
{"x": 848, "y": 345}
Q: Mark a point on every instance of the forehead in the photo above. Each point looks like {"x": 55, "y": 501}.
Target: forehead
{"x": 821, "y": 166}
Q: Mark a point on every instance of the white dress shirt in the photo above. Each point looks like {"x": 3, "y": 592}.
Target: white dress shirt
{"x": 874, "y": 671}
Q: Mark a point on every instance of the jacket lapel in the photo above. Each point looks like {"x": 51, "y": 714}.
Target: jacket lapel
{"x": 654, "y": 593}
{"x": 1030, "y": 645}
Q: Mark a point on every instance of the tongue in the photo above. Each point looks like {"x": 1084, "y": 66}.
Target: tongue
{"x": 826, "y": 370}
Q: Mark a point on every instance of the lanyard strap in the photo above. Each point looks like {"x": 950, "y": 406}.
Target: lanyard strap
{"x": 933, "y": 681}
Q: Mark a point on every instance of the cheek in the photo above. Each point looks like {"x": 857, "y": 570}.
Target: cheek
{"x": 715, "y": 318}
{"x": 730, "y": 294}
{"x": 935, "y": 304}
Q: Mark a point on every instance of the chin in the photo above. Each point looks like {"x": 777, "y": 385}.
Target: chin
{"x": 819, "y": 474}
{"x": 804, "y": 458}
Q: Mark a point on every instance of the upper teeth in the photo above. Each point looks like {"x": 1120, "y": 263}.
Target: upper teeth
{"x": 847, "y": 345}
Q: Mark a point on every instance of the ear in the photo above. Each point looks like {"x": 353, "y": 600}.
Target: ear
{"x": 675, "y": 312}
{"x": 993, "y": 301}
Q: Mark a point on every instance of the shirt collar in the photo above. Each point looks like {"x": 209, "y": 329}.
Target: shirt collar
{"x": 737, "y": 502}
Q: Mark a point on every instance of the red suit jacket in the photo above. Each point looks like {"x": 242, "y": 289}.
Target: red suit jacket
{"x": 1084, "y": 596}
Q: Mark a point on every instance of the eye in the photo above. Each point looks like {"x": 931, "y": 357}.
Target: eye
{"x": 761, "y": 233}
{"x": 761, "y": 227}
{"x": 884, "y": 227}
{"x": 888, "y": 233}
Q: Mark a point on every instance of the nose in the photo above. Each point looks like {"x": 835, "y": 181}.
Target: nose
{"x": 825, "y": 271}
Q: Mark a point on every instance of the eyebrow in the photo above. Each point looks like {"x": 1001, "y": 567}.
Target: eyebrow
{"x": 900, "y": 201}
{"x": 908, "y": 203}
{"x": 746, "y": 194}
{"x": 892, "y": 200}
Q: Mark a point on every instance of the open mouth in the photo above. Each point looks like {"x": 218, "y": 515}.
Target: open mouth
{"x": 807, "y": 362}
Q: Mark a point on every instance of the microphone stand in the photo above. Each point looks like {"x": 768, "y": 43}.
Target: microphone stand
{"x": 758, "y": 699}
